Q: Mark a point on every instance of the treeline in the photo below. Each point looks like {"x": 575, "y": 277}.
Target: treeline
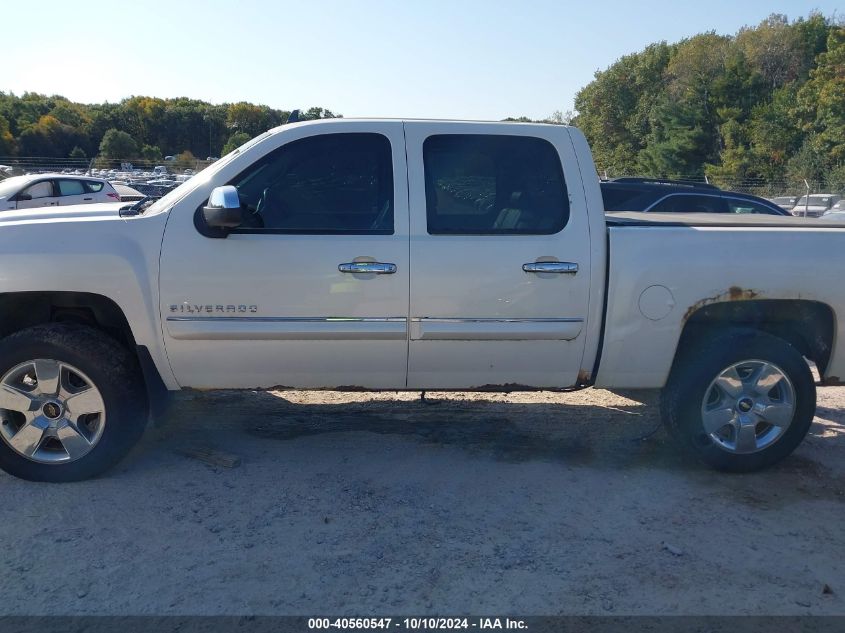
{"x": 136, "y": 128}
{"x": 767, "y": 103}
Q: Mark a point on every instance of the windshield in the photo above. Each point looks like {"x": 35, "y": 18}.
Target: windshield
{"x": 204, "y": 176}
{"x": 10, "y": 186}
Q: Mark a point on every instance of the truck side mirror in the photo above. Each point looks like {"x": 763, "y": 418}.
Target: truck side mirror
{"x": 223, "y": 210}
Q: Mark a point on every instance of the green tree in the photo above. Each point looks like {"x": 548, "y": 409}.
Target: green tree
{"x": 733, "y": 107}
{"x": 235, "y": 141}
{"x": 774, "y": 132}
{"x": 316, "y": 113}
{"x": 836, "y": 179}
{"x": 679, "y": 144}
{"x": 48, "y": 137}
{"x": 72, "y": 114}
{"x": 78, "y": 152}
{"x": 616, "y": 110}
{"x": 247, "y": 118}
{"x": 736, "y": 162}
{"x": 774, "y": 49}
{"x": 807, "y": 164}
{"x": 151, "y": 153}
{"x": 822, "y": 100}
{"x": 118, "y": 144}
{"x": 42, "y": 125}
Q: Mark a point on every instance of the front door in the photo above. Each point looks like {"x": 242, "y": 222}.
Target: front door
{"x": 312, "y": 291}
{"x": 500, "y": 257}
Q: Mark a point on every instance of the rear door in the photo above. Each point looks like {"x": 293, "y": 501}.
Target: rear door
{"x": 500, "y": 256}
{"x": 72, "y": 191}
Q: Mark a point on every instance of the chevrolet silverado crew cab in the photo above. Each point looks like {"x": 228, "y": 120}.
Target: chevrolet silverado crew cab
{"x": 382, "y": 254}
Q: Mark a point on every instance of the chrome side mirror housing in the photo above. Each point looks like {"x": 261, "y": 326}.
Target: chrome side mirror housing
{"x": 223, "y": 210}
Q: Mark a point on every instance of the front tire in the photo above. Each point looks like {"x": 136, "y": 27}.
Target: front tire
{"x": 72, "y": 402}
{"x": 739, "y": 401}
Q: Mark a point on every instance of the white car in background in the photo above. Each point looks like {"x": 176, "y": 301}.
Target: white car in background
{"x": 815, "y": 205}
{"x": 836, "y": 212}
{"x": 53, "y": 190}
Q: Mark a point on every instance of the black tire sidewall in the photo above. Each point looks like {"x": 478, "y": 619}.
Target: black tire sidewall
{"x": 114, "y": 372}
{"x": 695, "y": 371}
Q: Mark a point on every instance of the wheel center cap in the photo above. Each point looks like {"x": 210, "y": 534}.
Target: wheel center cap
{"x": 52, "y": 410}
{"x": 745, "y": 405}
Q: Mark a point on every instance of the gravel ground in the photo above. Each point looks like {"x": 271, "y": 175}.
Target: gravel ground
{"x": 363, "y": 504}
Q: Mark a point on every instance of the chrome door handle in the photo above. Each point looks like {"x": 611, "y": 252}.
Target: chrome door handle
{"x": 565, "y": 268}
{"x": 367, "y": 267}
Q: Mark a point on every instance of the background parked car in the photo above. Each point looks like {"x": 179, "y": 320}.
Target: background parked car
{"x": 785, "y": 202}
{"x": 836, "y": 213}
{"x": 815, "y": 204}
{"x": 679, "y": 196}
{"x": 50, "y": 190}
{"x": 128, "y": 194}
{"x": 833, "y": 216}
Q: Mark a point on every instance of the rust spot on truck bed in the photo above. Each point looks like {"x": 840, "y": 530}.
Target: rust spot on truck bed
{"x": 738, "y": 294}
{"x": 734, "y": 293}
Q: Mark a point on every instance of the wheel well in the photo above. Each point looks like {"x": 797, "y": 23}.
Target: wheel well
{"x": 20, "y": 310}
{"x": 806, "y": 325}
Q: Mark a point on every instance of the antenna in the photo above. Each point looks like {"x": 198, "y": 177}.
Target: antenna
{"x": 293, "y": 117}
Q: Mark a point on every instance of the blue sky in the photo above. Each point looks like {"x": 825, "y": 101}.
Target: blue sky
{"x": 428, "y": 58}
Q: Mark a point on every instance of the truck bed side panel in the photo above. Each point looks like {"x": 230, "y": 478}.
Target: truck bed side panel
{"x": 660, "y": 275}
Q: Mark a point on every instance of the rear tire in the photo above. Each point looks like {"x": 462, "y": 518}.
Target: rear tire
{"x": 72, "y": 402}
{"x": 739, "y": 401}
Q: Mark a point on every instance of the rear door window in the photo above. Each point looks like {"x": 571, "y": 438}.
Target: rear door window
{"x": 71, "y": 188}
{"x": 493, "y": 185}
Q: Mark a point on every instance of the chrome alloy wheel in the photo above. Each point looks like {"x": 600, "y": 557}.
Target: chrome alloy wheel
{"x": 748, "y": 407}
{"x": 50, "y": 412}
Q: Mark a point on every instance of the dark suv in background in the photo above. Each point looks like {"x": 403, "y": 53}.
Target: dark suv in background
{"x": 679, "y": 196}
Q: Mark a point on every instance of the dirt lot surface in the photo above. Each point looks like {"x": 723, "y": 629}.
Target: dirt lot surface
{"x": 353, "y": 503}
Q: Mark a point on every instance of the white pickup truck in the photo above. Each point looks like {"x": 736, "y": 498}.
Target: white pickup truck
{"x": 389, "y": 254}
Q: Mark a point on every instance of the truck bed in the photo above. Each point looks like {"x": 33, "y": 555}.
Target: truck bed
{"x": 665, "y": 267}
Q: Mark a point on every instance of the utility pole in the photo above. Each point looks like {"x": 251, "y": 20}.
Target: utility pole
{"x": 806, "y": 198}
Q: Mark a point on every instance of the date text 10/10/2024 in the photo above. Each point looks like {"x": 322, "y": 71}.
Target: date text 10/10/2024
{"x": 423, "y": 623}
